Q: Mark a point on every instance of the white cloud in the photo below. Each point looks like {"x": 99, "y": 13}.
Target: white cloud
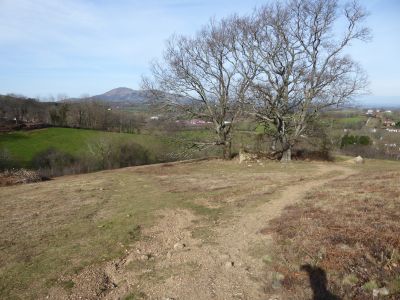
{"x": 82, "y": 29}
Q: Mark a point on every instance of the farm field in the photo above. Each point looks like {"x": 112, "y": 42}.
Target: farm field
{"x": 351, "y": 120}
{"x": 200, "y": 230}
{"x": 24, "y": 145}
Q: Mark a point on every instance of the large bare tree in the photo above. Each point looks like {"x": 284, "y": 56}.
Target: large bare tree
{"x": 199, "y": 76}
{"x": 301, "y": 62}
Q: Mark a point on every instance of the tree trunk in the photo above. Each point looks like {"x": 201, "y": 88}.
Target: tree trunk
{"x": 273, "y": 145}
{"x": 227, "y": 150}
{"x": 287, "y": 154}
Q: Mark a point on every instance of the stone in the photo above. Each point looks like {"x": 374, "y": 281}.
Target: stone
{"x": 382, "y": 291}
{"x": 144, "y": 257}
{"x": 129, "y": 259}
{"x": 358, "y": 160}
{"x": 179, "y": 246}
{"x": 246, "y": 157}
{"x": 229, "y": 264}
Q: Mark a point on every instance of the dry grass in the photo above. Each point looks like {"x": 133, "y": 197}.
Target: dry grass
{"x": 350, "y": 229}
{"x": 52, "y": 230}
{"x": 51, "y": 233}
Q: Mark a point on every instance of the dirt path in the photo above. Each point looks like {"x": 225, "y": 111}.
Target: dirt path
{"x": 244, "y": 235}
{"x": 172, "y": 264}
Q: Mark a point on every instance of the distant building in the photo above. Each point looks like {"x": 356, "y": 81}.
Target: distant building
{"x": 193, "y": 122}
{"x": 391, "y": 145}
{"x": 389, "y": 123}
{"x": 370, "y": 112}
{"x": 197, "y": 122}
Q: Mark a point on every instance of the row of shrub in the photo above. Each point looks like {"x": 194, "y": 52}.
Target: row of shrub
{"x": 102, "y": 154}
{"x": 355, "y": 140}
{"x": 7, "y": 161}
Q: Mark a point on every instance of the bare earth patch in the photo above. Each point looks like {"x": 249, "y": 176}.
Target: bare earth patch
{"x": 191, "y": 231}
{"x": 188, "y": 257}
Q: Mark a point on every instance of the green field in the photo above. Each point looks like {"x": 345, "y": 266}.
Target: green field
{"x": 24, "y": 145}
{"x": 351, "y": 120}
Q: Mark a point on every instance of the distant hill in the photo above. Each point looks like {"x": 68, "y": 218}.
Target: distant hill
{"x": 123, "y": 94}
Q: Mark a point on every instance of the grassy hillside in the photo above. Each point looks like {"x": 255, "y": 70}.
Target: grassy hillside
{"x": 24, "y": 145}
{"x": 55, "y": 229}
{"x": 142, "y": 232}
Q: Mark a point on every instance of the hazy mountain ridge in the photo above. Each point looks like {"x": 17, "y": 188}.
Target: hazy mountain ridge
{"x": 127, "y": 96}
{"x": 123, "y": 94}
{"x": 131, "y": 96}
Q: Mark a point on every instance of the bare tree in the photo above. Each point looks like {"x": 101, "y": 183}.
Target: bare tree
{"x": 301, "y": 63}
{"x": 199, "y": 76}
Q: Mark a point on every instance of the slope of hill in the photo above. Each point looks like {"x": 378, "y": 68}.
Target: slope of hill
{"x": 24, "y": 145}
{"x": 203, "y": 230}
{"x": 128, "y": 97}
{"x": 123, "y": 94}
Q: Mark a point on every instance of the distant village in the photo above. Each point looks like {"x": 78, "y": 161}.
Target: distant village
{"x": 387, "y": 122}
{"x": 189, "y": 123}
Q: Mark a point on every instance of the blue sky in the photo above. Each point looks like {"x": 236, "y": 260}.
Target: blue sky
{"x": 81, "y": 47}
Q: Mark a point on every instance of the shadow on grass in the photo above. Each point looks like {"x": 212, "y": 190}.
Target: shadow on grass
{"x": 11, "y": 137}
{"x": 318, "y": 283}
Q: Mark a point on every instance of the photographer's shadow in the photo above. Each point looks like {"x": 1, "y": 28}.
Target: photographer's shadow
{"x": 318, "y": 283}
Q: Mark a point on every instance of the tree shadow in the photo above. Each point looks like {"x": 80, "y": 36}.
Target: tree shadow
{"x": 13, "y": 136}
{"x": 318, "y": 283}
